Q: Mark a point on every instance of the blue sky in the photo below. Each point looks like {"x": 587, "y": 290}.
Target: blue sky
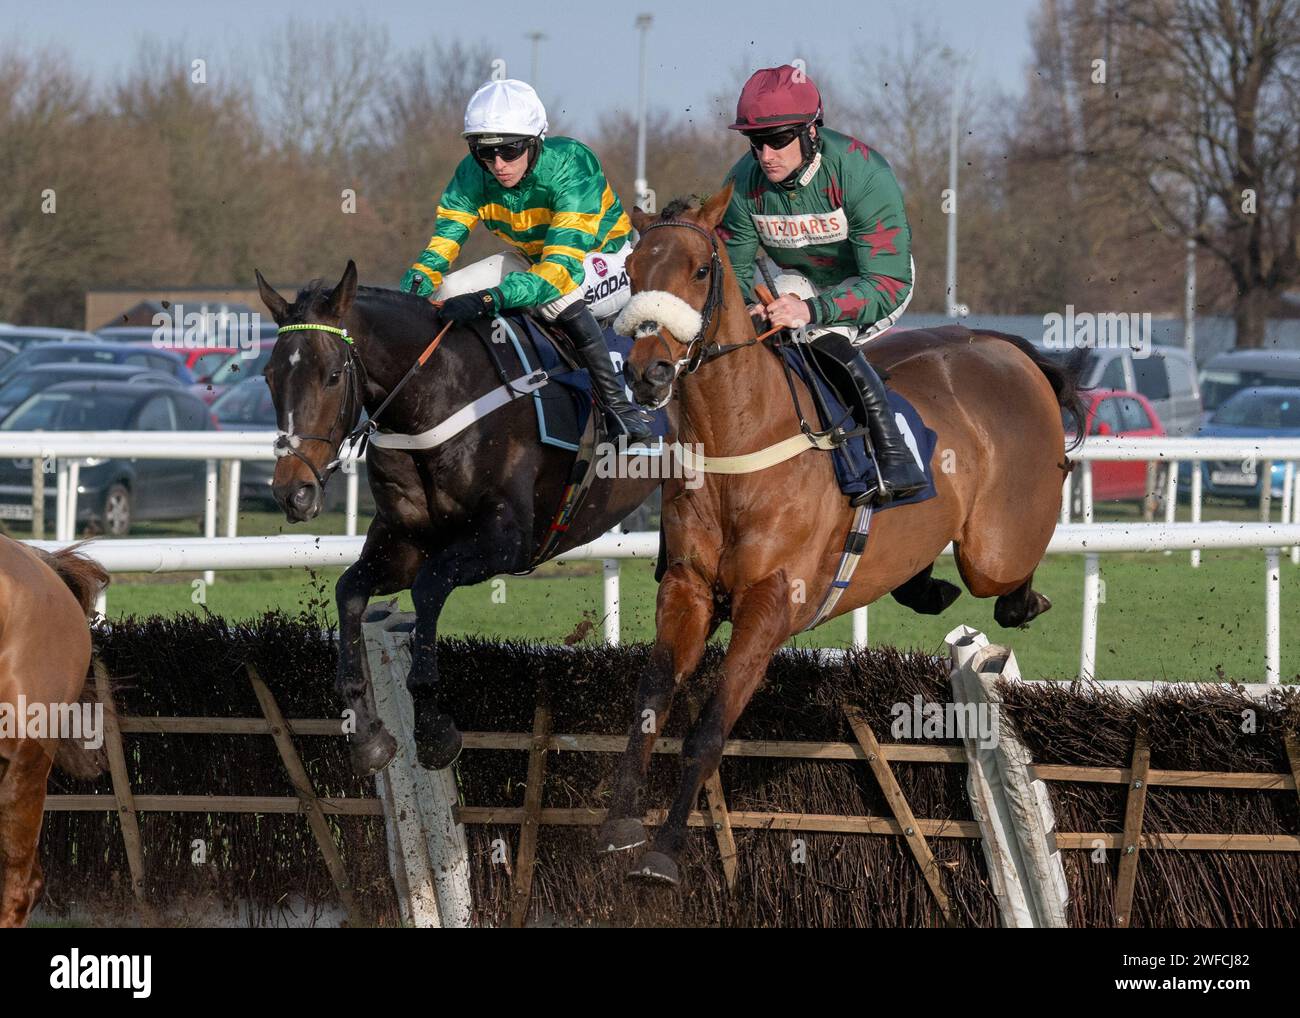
{"x": 588, "y": 60}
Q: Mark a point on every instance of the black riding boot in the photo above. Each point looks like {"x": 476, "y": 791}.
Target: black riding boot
{"x": 900, "y": 475}
{"x": 588, "y": 342}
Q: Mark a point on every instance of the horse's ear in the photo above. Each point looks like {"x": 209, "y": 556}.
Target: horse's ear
{"x": 640, "y": 220}
{"x": 344, "y": 294}
{"x": 277, "y": 305}
{"x": 712, "y": 211}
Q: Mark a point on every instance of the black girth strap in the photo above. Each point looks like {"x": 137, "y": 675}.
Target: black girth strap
{"x": 582, "y": 473}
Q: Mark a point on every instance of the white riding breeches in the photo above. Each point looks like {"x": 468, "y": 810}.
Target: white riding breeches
{"x": 801, "y": 286}
{"x": 605, "y": 287}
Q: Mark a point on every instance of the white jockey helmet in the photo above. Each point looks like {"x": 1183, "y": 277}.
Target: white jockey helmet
{"x": 504, "y": 108}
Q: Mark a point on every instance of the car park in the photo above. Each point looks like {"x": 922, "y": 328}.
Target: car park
{"x": 98, "y": 352}
{"x": 1111, "y": 412}
{"x": 1231, "y": 372}
{"x": 238, "y": 367}
{"x": 112, "y": 493}
{"x": 1257, "y": 412}
{"x": 1165, "y": 376}
{"x": 41, "y": 376}
{"x": 248, "y": 407}
{"x": 23, "y": 336}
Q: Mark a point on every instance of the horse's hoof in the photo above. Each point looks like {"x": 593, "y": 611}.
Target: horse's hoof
{"x": 656, "y": 867}
{"x": 373, "y": 755}
{"x": 439, "y": 745}
{"x": 620, "y": 835}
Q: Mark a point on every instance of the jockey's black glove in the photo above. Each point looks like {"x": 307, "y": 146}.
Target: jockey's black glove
{"x": 468, "y": 306}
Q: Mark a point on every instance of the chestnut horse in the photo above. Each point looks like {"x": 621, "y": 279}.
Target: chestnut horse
{"x": 762, "y": 548}
{"x": 45, "y": 600}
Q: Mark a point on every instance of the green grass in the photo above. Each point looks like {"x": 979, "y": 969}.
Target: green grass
{"x": 1160, "y": 619}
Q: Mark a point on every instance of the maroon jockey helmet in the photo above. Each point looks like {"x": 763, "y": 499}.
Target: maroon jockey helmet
{"x": 777, "y": 97}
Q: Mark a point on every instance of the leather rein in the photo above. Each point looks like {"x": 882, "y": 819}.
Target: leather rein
{"x": 286, "y": 443}
{"x": 697, "y": 355}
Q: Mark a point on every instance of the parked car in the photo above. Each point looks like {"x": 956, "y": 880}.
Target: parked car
{"x": 202, "y": 360}
{"x": 111, "y": 493}
{"x": 1166, "y": 377}
{"x": 7, "y": 352}
{"x": 23, "y": 336}
{"x": 99, "y": 353}
{"x": 203, "y": 363}
{"x": 1229, "y": 373}
{"x": 1262, "y": 412}
{"x": 235, "y": 337}
{"x": 248, "y": 407}
{"x": 42, "y": 376}
{"x": 237, "y": 368}
{"x": 1111, "y": 412}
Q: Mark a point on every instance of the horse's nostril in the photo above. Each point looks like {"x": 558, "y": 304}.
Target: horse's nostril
{"x": 659, "y": 372}
{"x": 304, "y": 496}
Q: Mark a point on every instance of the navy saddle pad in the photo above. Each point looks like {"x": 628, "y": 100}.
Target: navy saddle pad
{"x": 854, "y": 469}
{"x": 564, "y": 404}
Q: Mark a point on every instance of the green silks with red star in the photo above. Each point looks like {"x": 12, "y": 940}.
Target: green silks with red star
{"x": 846, "y": 221}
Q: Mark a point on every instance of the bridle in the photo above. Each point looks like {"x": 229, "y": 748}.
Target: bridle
{"x": 286, "y": 443}
{"x": 699, "y": 351}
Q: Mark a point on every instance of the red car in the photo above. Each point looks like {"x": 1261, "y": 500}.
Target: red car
{"x": 1112, "y": 412}
{"x": 202, "y": 361}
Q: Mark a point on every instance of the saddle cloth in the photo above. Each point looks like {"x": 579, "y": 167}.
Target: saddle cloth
{"x": 563, "y": 406}
{"x": 854, "y": 469}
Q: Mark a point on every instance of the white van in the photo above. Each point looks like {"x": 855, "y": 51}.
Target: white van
{"x": 1167, "y": 378}
{"x": 1230, "y": 372}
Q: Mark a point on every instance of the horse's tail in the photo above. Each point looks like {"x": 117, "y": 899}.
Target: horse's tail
{"x": 1063, "y": 377}
{"x": 85, "y": 578}
{"x": 73, "y": 757}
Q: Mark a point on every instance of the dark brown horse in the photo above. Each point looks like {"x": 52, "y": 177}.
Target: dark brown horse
{"x": 44, "y": 658}
{"x": 474, "y": 506}
{"x": 761, "y": 548}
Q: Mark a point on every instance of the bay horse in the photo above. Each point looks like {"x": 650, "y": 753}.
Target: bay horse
{"x": 457, "y": 514}
{"x": 45, "y": 601}
{"x": 761, "y": 548}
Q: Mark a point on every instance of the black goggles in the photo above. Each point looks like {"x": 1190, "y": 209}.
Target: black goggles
{"x": 773, "y": 139}
{"x": 507, "y": 150}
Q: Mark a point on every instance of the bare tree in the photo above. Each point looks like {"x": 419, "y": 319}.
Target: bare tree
{"x": 414, "y": 145}
{"x": 84, "y": 201}
{"x": 1203, "y": 116}
{"x": 321, "y": 81}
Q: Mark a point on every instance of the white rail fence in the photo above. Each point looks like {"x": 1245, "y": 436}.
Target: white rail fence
{"x": 1089, "y": 539}
{"x": 1257, "y": 452}
{"x": 64, "y": 452}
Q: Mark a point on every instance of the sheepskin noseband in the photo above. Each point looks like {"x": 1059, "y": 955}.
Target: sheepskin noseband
{"x": 651, "y": 310}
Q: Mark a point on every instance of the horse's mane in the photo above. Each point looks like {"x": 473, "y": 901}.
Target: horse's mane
{"x": 376, "y": 304}
{"x": 318, "y": 291}
{"x": 395, "y": 299}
